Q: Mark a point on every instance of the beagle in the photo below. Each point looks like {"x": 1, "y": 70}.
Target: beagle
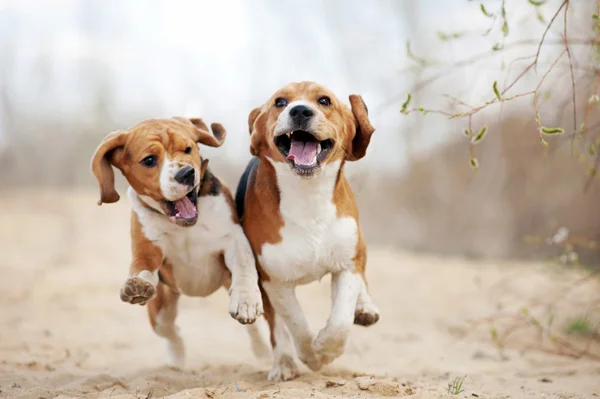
{"x": 301, "y": 219}
{"x": 186, "y": 236}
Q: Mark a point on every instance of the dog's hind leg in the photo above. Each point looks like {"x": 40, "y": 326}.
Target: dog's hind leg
{"x": 366, "y": 313}
{"x": 162, "y": 311}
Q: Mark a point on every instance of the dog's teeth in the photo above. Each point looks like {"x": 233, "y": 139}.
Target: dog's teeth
{"x": 318, "y": 149}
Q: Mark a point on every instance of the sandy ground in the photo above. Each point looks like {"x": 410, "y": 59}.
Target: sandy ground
{"x": 64, "y": 331}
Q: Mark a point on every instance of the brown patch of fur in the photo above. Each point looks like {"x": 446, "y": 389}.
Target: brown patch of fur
{"x": 262, "y": 219}
{"x": 166, "y": 275}
{"x": 145, "y": 255}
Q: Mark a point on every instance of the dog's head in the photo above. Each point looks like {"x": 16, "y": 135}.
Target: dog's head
{"x": 307, "y": 126}
{"x": 161, "y": 161}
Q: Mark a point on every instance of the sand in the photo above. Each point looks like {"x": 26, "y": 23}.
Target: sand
{"x": 65, "y": 333}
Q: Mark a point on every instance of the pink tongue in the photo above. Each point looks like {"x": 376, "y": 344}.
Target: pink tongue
{"x": 303, "y": 152}
{"x": 185, "y": 208}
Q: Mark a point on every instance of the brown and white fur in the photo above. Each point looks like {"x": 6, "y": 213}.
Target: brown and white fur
{"x": 301, "y": 219}
{"x": 185, "y": 234}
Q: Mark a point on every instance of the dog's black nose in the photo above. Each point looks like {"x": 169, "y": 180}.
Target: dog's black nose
{"x": 185, "y": 176}
{"x": 301, "y": 113}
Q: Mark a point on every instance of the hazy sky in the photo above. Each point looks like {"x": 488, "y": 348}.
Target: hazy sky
{"x": 219, "y": 59}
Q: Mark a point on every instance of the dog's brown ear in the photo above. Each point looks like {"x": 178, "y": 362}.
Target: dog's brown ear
{"x": 364, "y": 129}
{"x": 102, "y": 162}
{"x": 252, "y": 117}
{"x": 202, "y": 134}
{"x": 203, "y": 168}
{"x": 254, "y": 138}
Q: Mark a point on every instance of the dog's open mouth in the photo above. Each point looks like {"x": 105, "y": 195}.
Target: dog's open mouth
{"x": 184, "y": 211}
{"x": 302, "y": 149}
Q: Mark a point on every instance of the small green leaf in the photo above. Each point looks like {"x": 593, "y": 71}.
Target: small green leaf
{"x": 485, "y": 12}
{"x": 496, "y": 91}
{"x": 540, "y": 16}
{"x": 593, "y": 172}
{"x": 474, "y": 163}
{"x": 498, "y": 46}
{"x": 537, "y": 3}
{"x": 468, "y": 132}
{"x": 480, "y": 135}
{"x": 582, "y": 127}
{"x": 591, "y": 149}
{"x": 594, "y": 99}
{"x": 544, "y": 143}
{"x": 405, "y": 103}
{"x": 552, "y": 130}
{"x": 412, "y": 56}
{"x": 596, "y": 17}
{"x": 449, "y": 36}
{"x": 505, "y": 28}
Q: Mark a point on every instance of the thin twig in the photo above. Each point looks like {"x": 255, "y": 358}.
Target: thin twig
{"x": 537, "y": 54}
{"x": 572, "y": 75}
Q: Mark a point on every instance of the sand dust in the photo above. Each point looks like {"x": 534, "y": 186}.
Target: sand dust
{"x": 65, "y": 332}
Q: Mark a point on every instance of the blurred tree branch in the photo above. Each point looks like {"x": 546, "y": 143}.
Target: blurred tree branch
{"x": 501, "y": 94}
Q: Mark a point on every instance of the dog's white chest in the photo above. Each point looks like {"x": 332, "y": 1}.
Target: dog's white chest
{"x": 195, "y": 258}
{"x": 314, "y": 240}
{"x": 195, "y": 252}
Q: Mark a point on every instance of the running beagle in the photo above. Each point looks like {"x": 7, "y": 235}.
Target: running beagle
{"x": 301, "y": 219}
{"x": 185, "y": 233}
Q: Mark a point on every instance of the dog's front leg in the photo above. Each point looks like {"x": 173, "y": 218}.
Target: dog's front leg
{"x": 331, "y": 340}
{"x": 147, "y": 258}
{"x": 286, "y": 305}
{"x": 245, "y": 299}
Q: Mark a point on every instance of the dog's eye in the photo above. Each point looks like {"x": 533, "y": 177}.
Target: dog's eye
{"x": 326, "y": 101}
{"x": 280, "y": 102}
{"x": 149, "y": 161}
{"x": 188, "y": 150}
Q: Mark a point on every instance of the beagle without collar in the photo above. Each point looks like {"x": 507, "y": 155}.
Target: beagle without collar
{"x": 185, "y": 233}
{"x": 301, "y": 219}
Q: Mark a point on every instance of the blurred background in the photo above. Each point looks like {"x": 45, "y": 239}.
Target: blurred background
{"x": 467, "y": 264}
{"x": 72, "y": 70}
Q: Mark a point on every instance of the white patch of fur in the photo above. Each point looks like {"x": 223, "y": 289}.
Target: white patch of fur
{"x": 149, "y": 277}
{"x": 172, "y": 190}
{"x": 284, "y": 367}
{"x": 194, "y": 252}
{"x": 166, "y": 328}
{"x": 314, "y": 240}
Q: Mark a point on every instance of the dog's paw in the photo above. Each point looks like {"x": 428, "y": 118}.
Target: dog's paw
{"x": 366, "y": 314}
{"x": 307, "y": 355}
{"x": 245, "y": 304}
{"x": 329, "y": 344}
{"x": 284, "y": 369}
{"x": 137, "y": 290}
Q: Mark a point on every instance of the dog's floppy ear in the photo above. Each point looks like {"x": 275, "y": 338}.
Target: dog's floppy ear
{"x": 364, "y": 129}
{"x": 203, "y": 136}
{"x": 254, "y": 138}
{"x": 102, "y": 163}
